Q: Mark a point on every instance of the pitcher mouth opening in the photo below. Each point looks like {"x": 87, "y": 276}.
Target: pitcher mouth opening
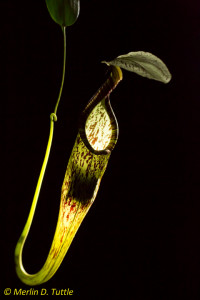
{"x": 101, "y": 131}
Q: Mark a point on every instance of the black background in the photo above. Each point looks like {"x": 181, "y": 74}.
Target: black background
{"x": 140, "y": 240}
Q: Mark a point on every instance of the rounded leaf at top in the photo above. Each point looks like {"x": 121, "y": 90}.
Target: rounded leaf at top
{"x": 64, "y": 12}
{"x": 144, "y": 64}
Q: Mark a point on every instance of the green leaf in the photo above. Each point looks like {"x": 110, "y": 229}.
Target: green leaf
{"x": 64, "y": 12}
{"x": 144, "y": 64}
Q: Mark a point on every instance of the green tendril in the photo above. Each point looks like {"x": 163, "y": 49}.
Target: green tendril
{"x": 63, "y": 75}
{"x": 53, "y": 118}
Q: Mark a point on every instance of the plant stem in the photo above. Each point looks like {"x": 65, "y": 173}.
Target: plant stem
{"x": 63, "y": 75}
{"x": 53, "y": 118}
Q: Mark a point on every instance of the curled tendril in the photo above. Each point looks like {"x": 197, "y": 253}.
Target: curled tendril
{"x": 53, "y": 117}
